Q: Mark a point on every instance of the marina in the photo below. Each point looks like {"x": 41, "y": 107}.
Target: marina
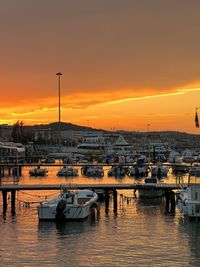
{"x": 108, "y": 187}
{"x": 92, "y": 182}
{"x": 135, "y": 204}
{"x": 120, "y": 234}
{"x": 117, "y": 210}
{"x": 99, "y": 134}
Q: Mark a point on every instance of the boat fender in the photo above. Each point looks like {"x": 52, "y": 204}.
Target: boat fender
{"x": 94, "y": 206}
{"x": 60, "y": 209}
{"x": 178, "y": 198}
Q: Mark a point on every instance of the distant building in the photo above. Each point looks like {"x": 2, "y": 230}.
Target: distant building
{"x": 45, "y": 135}
{"x": 71, "y": 134}
{"x": 12, "y": 152}
{"x": 80, "y": 136}
{"x": 5, "y": 132}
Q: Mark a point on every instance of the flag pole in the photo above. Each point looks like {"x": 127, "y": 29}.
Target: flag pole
{"x": 196, "y": 118}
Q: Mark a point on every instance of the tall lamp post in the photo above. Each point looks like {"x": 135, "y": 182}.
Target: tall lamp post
{"x": 59, "y": 126}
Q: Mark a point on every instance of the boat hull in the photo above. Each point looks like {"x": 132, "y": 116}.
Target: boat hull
{"x": 190, "y": 209}
{"x": 70, "y": 213}
{"x": 76, "y": 206}
{"x": 67, "y": 171}
{"x": 38, "y": 172}
{"x": 150, "y": 193}
{"x": 188, "y": 201}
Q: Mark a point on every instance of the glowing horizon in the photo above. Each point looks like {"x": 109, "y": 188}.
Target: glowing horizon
{"x": 134, "y": 118}
{"x": 125, "y": 64}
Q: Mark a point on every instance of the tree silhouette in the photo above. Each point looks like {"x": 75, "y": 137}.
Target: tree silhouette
{"x": 17, "y": 132}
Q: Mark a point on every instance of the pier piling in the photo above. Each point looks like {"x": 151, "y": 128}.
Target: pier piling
{"x": 115, "y": 201}
{"x": 2, "y": 172}
{"x": 173, "y": 202}
{"x": 166, "y": 201}
{"x": 5, "y": 204}
{"x": 170, "y": 203}
{"x": 13, "y": 196}
{"x": 106, "y": 201}
{"x": 168, "y": 188}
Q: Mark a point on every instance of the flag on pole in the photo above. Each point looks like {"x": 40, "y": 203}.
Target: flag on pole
{"x": 196, "y": 119}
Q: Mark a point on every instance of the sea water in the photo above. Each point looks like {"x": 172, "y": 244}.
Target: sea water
{"x": 140, "y": 234}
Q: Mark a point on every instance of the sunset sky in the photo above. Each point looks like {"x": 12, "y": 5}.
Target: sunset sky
{"x": 126, "y": 64}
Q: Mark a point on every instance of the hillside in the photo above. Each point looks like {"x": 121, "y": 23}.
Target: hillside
{"x": 65, "y": 126}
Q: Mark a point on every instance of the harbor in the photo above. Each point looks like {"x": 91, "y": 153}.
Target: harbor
{"x": 137, "y": 212}
{"x": 99, "y": 134}
{"x": 12, "y": 182}
{"x": 135, "y": 221}
{"x": 167, "y": 188}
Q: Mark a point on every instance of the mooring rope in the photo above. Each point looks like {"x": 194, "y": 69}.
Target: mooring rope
{"x": 39, "y": 196}
{"x": 27, "y": 203}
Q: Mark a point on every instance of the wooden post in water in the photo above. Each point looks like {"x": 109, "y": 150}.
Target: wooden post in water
{"x": 173, "y": 202}
{"x": 106, "y": 200}
{"x": 5, "y": 204}
{"x": 20, "y": 170}
{"x": 13, "y": 194}
{"x": 166, "y": 201}
{"x": 2, "y": 172}
{"x": 13, "y": 171}
{"x": 170, "y": 203}
{"x": 115, "y": 201}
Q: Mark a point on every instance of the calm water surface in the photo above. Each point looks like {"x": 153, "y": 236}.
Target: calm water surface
{"x": 139, "y": 235}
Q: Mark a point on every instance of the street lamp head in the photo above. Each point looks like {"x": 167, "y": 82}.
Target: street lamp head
{"x": 59, "y": 73}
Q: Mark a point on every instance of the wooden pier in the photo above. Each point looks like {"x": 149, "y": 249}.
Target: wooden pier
{"x": 34, "y": 164}
{"x": 167, "y": 188}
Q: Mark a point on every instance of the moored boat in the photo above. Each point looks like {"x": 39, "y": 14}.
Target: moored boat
{"x": 150, "y": 192}
{"x": 188, "y": 198}
{"x": 92, "y": 171}
{"x": 138, "y": 171}
{"x": 159, "y": 171}
{"x": 117, "y": 171}
{"x": 67, "y": 171}
{"x": 194, "y": 170}
{"x": 38, "y": 171}
{"x": 68, "y": 205}
{"x": 180, "y": 168}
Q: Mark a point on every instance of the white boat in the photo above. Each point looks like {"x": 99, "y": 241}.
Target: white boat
{"x": 195, "y": 170}
{"x": 159, "y": 171}
{"x": 119, "y": 148}
{"x": 138, "y": 171}
{"x": 180, "y": 168}
{"x": 67, "y": 171}
{"x": 117, "y": 171}
{"x": 48, "y": 160}
{"x": 188, "y": 201}
{"x": 92, "y": 171}
{"x": 175, "y": 157}
{"x": 38, "y": 171}
{"x": 68, "y": 205}
{"x": 188, "y": 156}
{"x": 105, "y": 144}
{"x": 150, "y": 192}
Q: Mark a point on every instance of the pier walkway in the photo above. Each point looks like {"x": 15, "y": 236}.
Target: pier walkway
{"x": 35, "y": 164}
{"x": 168, "y": 190}
{"x": 133, "y": 186}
